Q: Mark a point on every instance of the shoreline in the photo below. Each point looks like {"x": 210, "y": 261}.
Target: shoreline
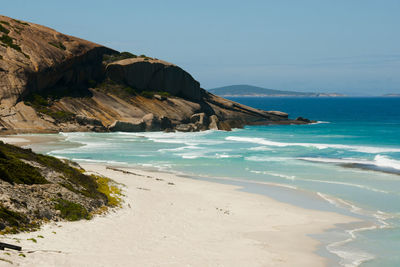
{"x": 178, "y": 224}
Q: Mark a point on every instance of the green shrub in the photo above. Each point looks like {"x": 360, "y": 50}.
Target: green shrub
{"x": 61, "y": 115}
{"x": 150, "y": 94}
{"x": 16, "y": 171}
{"x": 72, "y": 175}
{"x": 58, "y": 45}
{"x": 117, "y": 56}
{"x": 4, "y": 30}
{"x": 20, "y": 22}
{"x": 129, "y": 90}
{"x": 147, "y": 94}
{"x": 118, "y": 89}
{"x": 1, "y": 57}
{"x": 127, "y": 55}
{"x": 112, "y": 192}
{"x": 42, "y": 105}
{"x": 11, "y": 218}
{"x": 164, "y": 94}
{"x": 38, "y": 100}
{"x": 8, "y": 41}
{"x": 71, "y": 211}
{"x": 4, "y": 22}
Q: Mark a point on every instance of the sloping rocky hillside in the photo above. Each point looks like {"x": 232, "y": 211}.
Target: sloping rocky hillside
{"x": 52, "y": 82}
{"x": 36, "y": 188}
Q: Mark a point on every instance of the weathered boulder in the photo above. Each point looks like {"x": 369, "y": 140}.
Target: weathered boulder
{"x": 88, "y": 121}
{"x": 135, "y": 125}
{"x": 200, "y": 120}
{"x": 213, "y": 122}
{"x": 152, "y": 122}
{"x": 165, "y": 123}
{"x": 278, "y": 113}
{"x": 224, "y": 126}
{"x": 146, "y": 74}
{"x": 160, "y": 97}
{"x": 190, "y": 127}
{"x": 303, "y": 119}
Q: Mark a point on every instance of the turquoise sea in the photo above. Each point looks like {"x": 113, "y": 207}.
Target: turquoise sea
{"x": 348, "y": 162}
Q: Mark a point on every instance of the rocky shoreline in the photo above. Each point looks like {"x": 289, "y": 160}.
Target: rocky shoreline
{"x": 52, "y": 82}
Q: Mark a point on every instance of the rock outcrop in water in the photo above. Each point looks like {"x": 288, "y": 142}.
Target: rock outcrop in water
{"x": 52, "y": 82}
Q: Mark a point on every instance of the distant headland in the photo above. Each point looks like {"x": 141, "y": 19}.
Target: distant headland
{"x": 244, "y": 90}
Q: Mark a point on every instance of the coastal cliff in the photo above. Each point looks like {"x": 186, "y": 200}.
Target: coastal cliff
{"x": 51, "y": 82}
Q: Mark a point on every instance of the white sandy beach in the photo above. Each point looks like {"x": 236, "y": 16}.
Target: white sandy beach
{"x": 174, "y": 221}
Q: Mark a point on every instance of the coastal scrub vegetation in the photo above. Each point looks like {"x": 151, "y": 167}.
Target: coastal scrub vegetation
{"x": 42, "y": 105}
{"x": 8, "y": 41}
{"x": 72, "y": 175}
{"x": 15, "y": 171}
{"x": 12, "y": 222}
{"x": 117, "y": 56}
{"x": 121, "y": 90}
{"x": 4, "y": 30}
{"x": 151, "y": 94}
{"x": 71, "y": 211}
{"x": 108, "y": 188}
{"x": 21, "y": 22}
{"x": 120, "y": 56}
{"x": 58, "y": 45}
{"x": 95, "y": 194}
{"x": 4, "y": 22}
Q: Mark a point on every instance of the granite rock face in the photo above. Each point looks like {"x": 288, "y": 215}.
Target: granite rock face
{"x": 51, "y": 82}
{"x": 36, "y": 58}
{"x": 146, "y": 74}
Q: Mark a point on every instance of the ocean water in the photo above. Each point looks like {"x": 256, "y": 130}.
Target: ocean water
{"x": 348, "y": 162}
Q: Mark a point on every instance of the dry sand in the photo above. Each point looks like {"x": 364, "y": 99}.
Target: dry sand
{"x": 173, "y": 221}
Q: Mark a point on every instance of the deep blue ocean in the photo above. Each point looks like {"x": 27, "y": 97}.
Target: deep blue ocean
{"x": 348, "y": 162}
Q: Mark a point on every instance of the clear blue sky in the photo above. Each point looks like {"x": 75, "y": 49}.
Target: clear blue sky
{"x": 348, "y": 46}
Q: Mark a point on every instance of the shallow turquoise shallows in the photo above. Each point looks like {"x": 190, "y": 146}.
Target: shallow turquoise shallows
{"x": 348, "y": 162}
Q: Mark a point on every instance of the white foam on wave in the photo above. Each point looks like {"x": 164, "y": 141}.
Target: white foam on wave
{"x": 193, "y": 155}
{"x": 351, "y": 256}
{"x": 182, "y": 148}
{"x": 112, "y": 162}
{"x": 333, "y": 160}
{"x": 379, "y": 161}
{"x": 319, "y": 122}
{"x": 266, "y": 142}
{"x": 384, "y": 161}
{"x": 287, "y": 177}
{"x": 340, "y": 203}
{"x": 348, "y": 184}
{"x": 266, "y": 159}
{"x": 260, "y": 148}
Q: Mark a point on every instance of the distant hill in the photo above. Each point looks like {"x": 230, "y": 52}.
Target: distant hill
{"x": 392, "y": 95}
{"x": 244, "y": 90}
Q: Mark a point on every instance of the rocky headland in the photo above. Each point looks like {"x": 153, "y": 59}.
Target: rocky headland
{"x": 52, "y": 82}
